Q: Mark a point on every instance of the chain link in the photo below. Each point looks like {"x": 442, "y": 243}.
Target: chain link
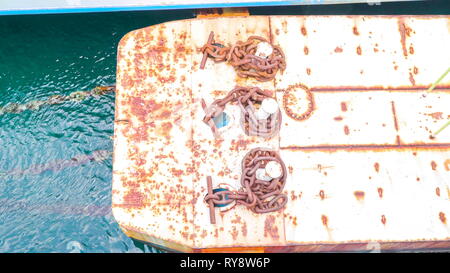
{"x": 258, "y": 195}
{"x": 247, "y": 98}
{"x": 242, "y": 57}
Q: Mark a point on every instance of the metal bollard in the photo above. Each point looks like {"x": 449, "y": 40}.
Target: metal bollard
{"x": 268, "y": 107}
{"x": 272, "y": 170}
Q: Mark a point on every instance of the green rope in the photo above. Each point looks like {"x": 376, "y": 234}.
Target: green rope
{"x": 431, "y": 89}
{"x": 438, "y": 80}
{"x": 442, "y": 128}
{"x": 56, "y": 99}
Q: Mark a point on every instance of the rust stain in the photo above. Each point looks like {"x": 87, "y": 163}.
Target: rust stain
{"x": 244, "y": 229}
{"x": 442, "y": 217}
{"x": 436, "y": 115}
{"x": 380, "y": 192}
{"x": 164, "y": 130}
{"x": 308, "y": 71}
{"x": 142, "y": 108}
{"x": 270, "y": 229}
{"x": 303, "y": 30}
{"x": 433, "y": 165}
{"x": 359, "y": 50}
{"x": 284, "y": 25}
{"x": 404, "y": 31}
{"x": 322, "y": 195}
{"x": 133, "y": 199}
{"x": 376, "y": 166}
{"x": 383, "y": 219}
{"x": 325, "y": 220}
{"x": 346, "y": 130}
{"x": 438, "y": 191}
{"x": 359, "y": 195}
{"x": 411, "y": 79}
{"x": 234, "y": 233}
{"x": 447, "y": 165}
{"x": 306, "y": 50}
{"x": 416, "y": 70}
{"x": 394, "y": 113}
{"x": 338, "y": 50}
{"x": 338, "y": 118}
{"x": 343, "y": 107}
{"x": 355, "y": 30}
{"x": 290, "y": 169}
{"x": 411, "y": 50}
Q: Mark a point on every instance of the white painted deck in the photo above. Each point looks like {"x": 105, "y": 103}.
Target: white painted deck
{"x": 362, "y": 168}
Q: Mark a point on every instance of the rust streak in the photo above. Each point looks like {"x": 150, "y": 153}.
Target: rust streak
{"x": 377, "y": 167}
{"x": 380, "y": 192}
{"x": 442, "y": 217}
{"x": 270, "y": 31}
{"x": 433, "y": 165}
{"x": 403, "y": 32}
{"x": 374, "y": 147}
{"x": 325, "y": 220}
{"x": 346, "y": 130}
{"x": 394, "y": 115}
{"x": 343, "y": 107}
{"x": 411, "y": 79}
{"x": 270, "y": 228}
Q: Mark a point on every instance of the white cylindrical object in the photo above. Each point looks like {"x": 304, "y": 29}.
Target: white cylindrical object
{"x": 268, "y": 107}
{"x": 272, "y": 170}
{"x": 263, "y": 50}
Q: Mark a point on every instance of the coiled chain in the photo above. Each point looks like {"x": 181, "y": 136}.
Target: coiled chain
{"x": 242, "y": 56}
{"x": 260, "y": 196}
{"x": 248, "y": 98}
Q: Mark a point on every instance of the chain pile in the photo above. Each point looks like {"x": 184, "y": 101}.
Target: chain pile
{"x": 242, "y": 56}
{"x": 248, "y": 99}
{"x": 258, "y": 195}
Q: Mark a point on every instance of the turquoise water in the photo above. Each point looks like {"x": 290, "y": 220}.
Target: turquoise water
{"x": 51, "y": 200}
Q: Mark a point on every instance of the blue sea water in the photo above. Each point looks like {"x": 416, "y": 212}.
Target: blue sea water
{"x": 48, "y": 201}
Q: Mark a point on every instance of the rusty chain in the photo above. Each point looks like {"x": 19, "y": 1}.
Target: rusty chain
{"x": 288, "y": 95}
{"x": 242, "y": 56}
{"x": 248, "y": 99}
{"x": 259, "y": 196}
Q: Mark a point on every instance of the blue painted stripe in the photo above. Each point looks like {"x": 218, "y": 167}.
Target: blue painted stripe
{"x": 170, "y": 7}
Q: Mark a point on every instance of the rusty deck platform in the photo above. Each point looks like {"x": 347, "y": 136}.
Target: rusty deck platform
{"x": 363, "y": 172}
